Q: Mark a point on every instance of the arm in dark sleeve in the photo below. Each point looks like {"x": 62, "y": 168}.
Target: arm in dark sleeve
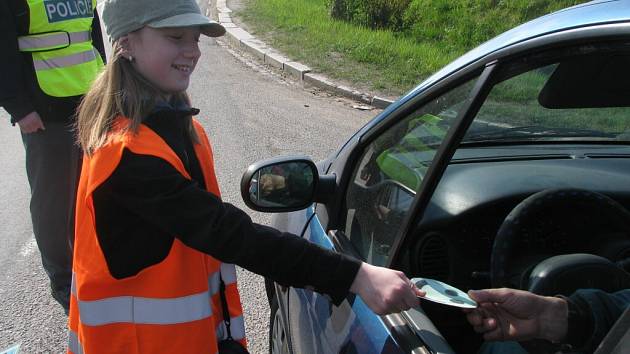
{"x": 97, "y": 36}
{"x": 152, "y": 189}
{"x": 592, "y": 313}
{"x": 14, "y": 95}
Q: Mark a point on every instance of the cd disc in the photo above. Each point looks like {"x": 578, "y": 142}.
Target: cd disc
{"x": 443, "y": 293}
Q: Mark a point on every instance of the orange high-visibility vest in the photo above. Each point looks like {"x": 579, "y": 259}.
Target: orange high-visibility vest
{"x": 170, "y": 307}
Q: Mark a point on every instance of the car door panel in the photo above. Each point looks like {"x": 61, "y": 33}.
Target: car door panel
{"x": 324, "y": 328}
{"x": 293, "y": 222}
{"x": 383, "y": 191}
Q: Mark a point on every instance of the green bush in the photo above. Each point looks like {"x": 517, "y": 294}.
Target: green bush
{"x": 374, "y": 14}
{"x": 384, "y": 14}
{"x": 460, "y": 24}
{"x": 463, "y": 24}
{"x": 342, "y": 9}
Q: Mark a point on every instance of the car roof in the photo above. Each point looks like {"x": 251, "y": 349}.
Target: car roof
{"x": 593, "y": 13}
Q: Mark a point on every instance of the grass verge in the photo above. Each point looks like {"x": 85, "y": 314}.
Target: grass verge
{"x": 381, "y": 60}
{"x": 370, "y": 60}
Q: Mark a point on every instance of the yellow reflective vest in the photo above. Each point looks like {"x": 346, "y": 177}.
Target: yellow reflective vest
{"x": 59, "y": 40}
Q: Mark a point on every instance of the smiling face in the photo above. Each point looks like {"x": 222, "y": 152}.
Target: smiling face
{"x": 164, "y": 56}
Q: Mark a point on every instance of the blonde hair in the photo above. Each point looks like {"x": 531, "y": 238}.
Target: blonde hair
{"x": 119, "y": 90}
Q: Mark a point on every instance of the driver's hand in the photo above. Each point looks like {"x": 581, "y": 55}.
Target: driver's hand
{"x": 509, "y": 314}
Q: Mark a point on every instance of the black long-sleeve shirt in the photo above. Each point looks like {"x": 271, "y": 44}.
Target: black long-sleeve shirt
{"x": 20, "y": 93}
{"x": 592, "y": 313}
{"x": 146, "y": 203}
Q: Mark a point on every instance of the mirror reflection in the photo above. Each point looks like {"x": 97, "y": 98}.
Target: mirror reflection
{"x": 288, "y": 184}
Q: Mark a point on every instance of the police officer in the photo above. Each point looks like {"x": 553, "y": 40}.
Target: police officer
{"x": 51, "y": 52}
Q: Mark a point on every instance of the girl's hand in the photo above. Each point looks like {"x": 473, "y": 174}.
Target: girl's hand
{"x": 385, "y": 290}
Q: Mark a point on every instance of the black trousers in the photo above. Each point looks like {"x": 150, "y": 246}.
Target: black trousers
{"x": 53, "y": 163}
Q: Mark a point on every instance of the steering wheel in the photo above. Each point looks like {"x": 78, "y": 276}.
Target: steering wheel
{"x": 559, "y": 240}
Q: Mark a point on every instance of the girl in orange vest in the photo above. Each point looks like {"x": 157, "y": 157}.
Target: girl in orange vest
{"x": 154, "y": 242}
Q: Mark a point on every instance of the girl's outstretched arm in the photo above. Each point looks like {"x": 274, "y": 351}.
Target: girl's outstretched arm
{"x": 146, "y": 203}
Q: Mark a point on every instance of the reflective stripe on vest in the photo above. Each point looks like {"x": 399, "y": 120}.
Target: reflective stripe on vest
{"x": 228, "y": 274}
{"x": 143, "y": 310}
{"x": 237, "y": 328}
{"x": 62, "y": 62}
{"x": 237, "y": 331}
{"x": 237, "y": 324}
{"x": 48, "y": 41}
{"x": 73, "y": 343}
{"x": 59, "y": 42}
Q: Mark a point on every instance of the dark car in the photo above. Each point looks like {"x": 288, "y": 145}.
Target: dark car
{"x": 510, "y": 167}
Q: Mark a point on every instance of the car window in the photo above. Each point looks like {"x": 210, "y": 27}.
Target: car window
{"x": 389, "y": 172}
{"x": 572, "y": 100}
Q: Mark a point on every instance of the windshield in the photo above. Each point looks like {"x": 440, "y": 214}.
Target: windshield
{"x": 551, "y": 104}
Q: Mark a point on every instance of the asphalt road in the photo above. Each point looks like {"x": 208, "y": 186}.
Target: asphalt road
{"x": 249, "y": 114}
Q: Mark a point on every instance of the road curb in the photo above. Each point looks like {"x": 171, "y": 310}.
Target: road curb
{"x": 241, "y": 39}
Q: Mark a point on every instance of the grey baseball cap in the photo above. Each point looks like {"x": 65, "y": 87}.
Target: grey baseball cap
{"x": 123, "y": 16}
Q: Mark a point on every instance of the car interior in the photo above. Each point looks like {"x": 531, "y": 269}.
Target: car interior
{"x": 536, "y": 196}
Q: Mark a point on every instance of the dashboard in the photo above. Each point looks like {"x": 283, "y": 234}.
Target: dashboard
{"x": 481, "y": 186}
{"x": 454, "y": 240}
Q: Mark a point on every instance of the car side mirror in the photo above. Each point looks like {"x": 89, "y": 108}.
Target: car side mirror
{"x": 283, "y": 184}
